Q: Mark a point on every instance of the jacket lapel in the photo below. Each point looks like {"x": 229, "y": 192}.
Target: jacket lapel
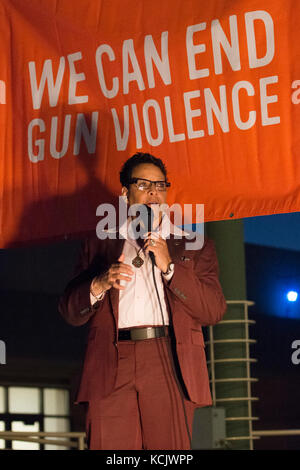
{"x": 176, "y": 247}
{"x": 115, "y": 248}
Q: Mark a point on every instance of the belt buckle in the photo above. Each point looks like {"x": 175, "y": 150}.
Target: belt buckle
{"x": 150, "y": 332}
{"x": 138, "y": 334}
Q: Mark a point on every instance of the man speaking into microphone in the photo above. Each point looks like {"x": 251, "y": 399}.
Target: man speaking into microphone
{"x": 145, "y": 368}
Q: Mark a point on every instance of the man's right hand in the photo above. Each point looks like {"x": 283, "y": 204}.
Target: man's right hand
{"x": 111, "y": 278}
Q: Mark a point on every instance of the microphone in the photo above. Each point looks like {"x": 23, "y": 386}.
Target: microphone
{"x": 149, "y": 225}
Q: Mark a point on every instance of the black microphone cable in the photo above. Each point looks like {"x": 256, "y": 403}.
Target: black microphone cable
{"x": 150, "y": 215}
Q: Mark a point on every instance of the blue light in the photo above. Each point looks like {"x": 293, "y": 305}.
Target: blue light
{"x": 292, "y": 296}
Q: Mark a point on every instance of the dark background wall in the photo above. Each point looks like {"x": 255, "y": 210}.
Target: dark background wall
{"x": 31, "y": 281}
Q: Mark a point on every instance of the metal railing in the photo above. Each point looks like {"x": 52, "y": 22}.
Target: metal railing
{"x": 276, "y": 432}
{"x": 51, "y": 438}
{"x": 253, "y": 434}
{"x": 48, "y": 437}
{"x": 244, "y": 320}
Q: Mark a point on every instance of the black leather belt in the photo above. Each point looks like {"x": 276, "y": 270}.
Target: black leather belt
{"x": 137, "y": 334}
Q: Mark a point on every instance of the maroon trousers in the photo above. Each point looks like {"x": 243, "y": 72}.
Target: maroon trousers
{"x": 147, "y": 408}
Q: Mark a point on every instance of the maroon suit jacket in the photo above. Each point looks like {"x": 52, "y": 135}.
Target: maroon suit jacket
{"x": 193, "y": 296}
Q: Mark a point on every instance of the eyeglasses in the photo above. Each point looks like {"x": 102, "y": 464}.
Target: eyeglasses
{"x": 145, "y": 185}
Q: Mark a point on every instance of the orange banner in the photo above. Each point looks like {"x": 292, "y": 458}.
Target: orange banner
{"x": 212, "y": 88}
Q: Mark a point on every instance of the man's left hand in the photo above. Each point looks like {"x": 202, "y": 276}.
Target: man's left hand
{"x": 160, "y": 250}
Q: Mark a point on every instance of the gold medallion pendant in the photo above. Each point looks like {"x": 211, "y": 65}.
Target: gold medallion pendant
{"x": 137, "y": 261}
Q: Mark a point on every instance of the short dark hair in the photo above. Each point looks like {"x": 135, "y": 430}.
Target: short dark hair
{"x": 138, "y": 159}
